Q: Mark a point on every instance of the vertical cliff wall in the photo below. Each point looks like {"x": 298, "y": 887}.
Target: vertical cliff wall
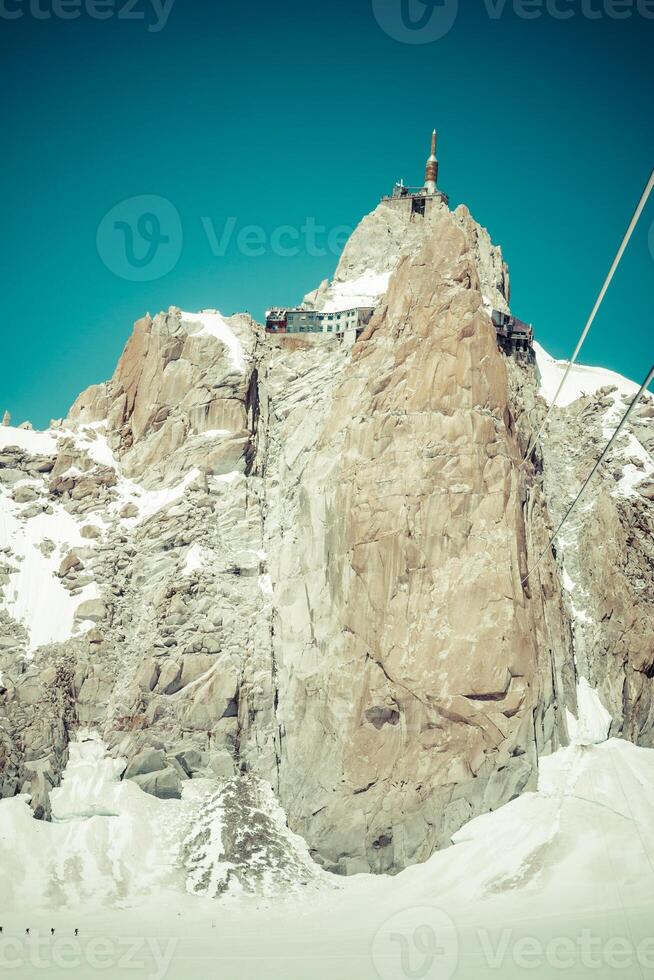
{"x": 416, "y": 675}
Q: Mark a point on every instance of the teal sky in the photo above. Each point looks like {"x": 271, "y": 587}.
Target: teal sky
{"x": 260, "y": 114}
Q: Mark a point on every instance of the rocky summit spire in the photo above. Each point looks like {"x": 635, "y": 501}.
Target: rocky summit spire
{"x": 431, "y": 174}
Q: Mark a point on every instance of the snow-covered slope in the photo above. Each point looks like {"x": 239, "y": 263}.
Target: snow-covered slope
{"x": 365, "y": 290}
{"x": 35, "y": 443}
{"x": 34, "y": 595}
{"x": 110, "y": 844}
{"x": 571, "y": 861}
{"x": 581, "y": 381}
{"x": 35, "y": 536}
{"x": 585, "y": 382}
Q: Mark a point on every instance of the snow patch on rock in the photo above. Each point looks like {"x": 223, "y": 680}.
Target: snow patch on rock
{"x": 147, "y": 502}
{"x": 593, "y": 725}
{"x": 34, "y": 595}
{"x": 195, "y": 560}
{"x": 213, "y": 324}
{"x": 33, "y": 442}
{"x": 365, "y": 290}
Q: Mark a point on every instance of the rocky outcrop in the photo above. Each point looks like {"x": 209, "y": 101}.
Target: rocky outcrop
{"x": 175, "y": 381}
{"x": 38, "y": 708}
{"x": 239, "y": 843}
{"x": 413, "y": 692}
{"x": 607, "y": 551}
{"x": 285, "y": 563}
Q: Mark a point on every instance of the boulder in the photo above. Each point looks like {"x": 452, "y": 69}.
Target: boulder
{"x": 40, "y": 464}
{"x": 221, "y": 765}
{"x": 195, "y": 666}
{"x": 214, "y": 698}
{"x": 147, "y": 761}
{"x": 169, "y": 681}
{"x": 165, "y": 784}
{"x": 93, "y": 609}
{"x": 71, "y": 563}
{"x": 148, "y": 674}
{"x": 91, "y": 531}
{"x": 9, "y": 475}
{"x": 25, "y": 494}
{"x": 190, "y": 759}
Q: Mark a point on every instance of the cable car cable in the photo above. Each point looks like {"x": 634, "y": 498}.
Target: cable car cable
{"x": 600, "y": 299}
{"x": 625, "y": 419}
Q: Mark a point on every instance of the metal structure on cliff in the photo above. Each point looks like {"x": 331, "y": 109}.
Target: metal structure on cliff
{"x": 420, "y": 197}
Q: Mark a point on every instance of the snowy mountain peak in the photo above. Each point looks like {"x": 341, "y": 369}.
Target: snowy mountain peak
{"x": 281, "y": 585}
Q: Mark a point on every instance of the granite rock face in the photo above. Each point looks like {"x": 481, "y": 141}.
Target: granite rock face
{"x": 284, "y": 562}
{"x": 413, "y": 690}
{"x": 607, "y": 551}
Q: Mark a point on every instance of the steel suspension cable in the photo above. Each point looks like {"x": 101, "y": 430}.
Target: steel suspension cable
{"x": 600, "y": 299}
{"x": 612, "y": 440}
